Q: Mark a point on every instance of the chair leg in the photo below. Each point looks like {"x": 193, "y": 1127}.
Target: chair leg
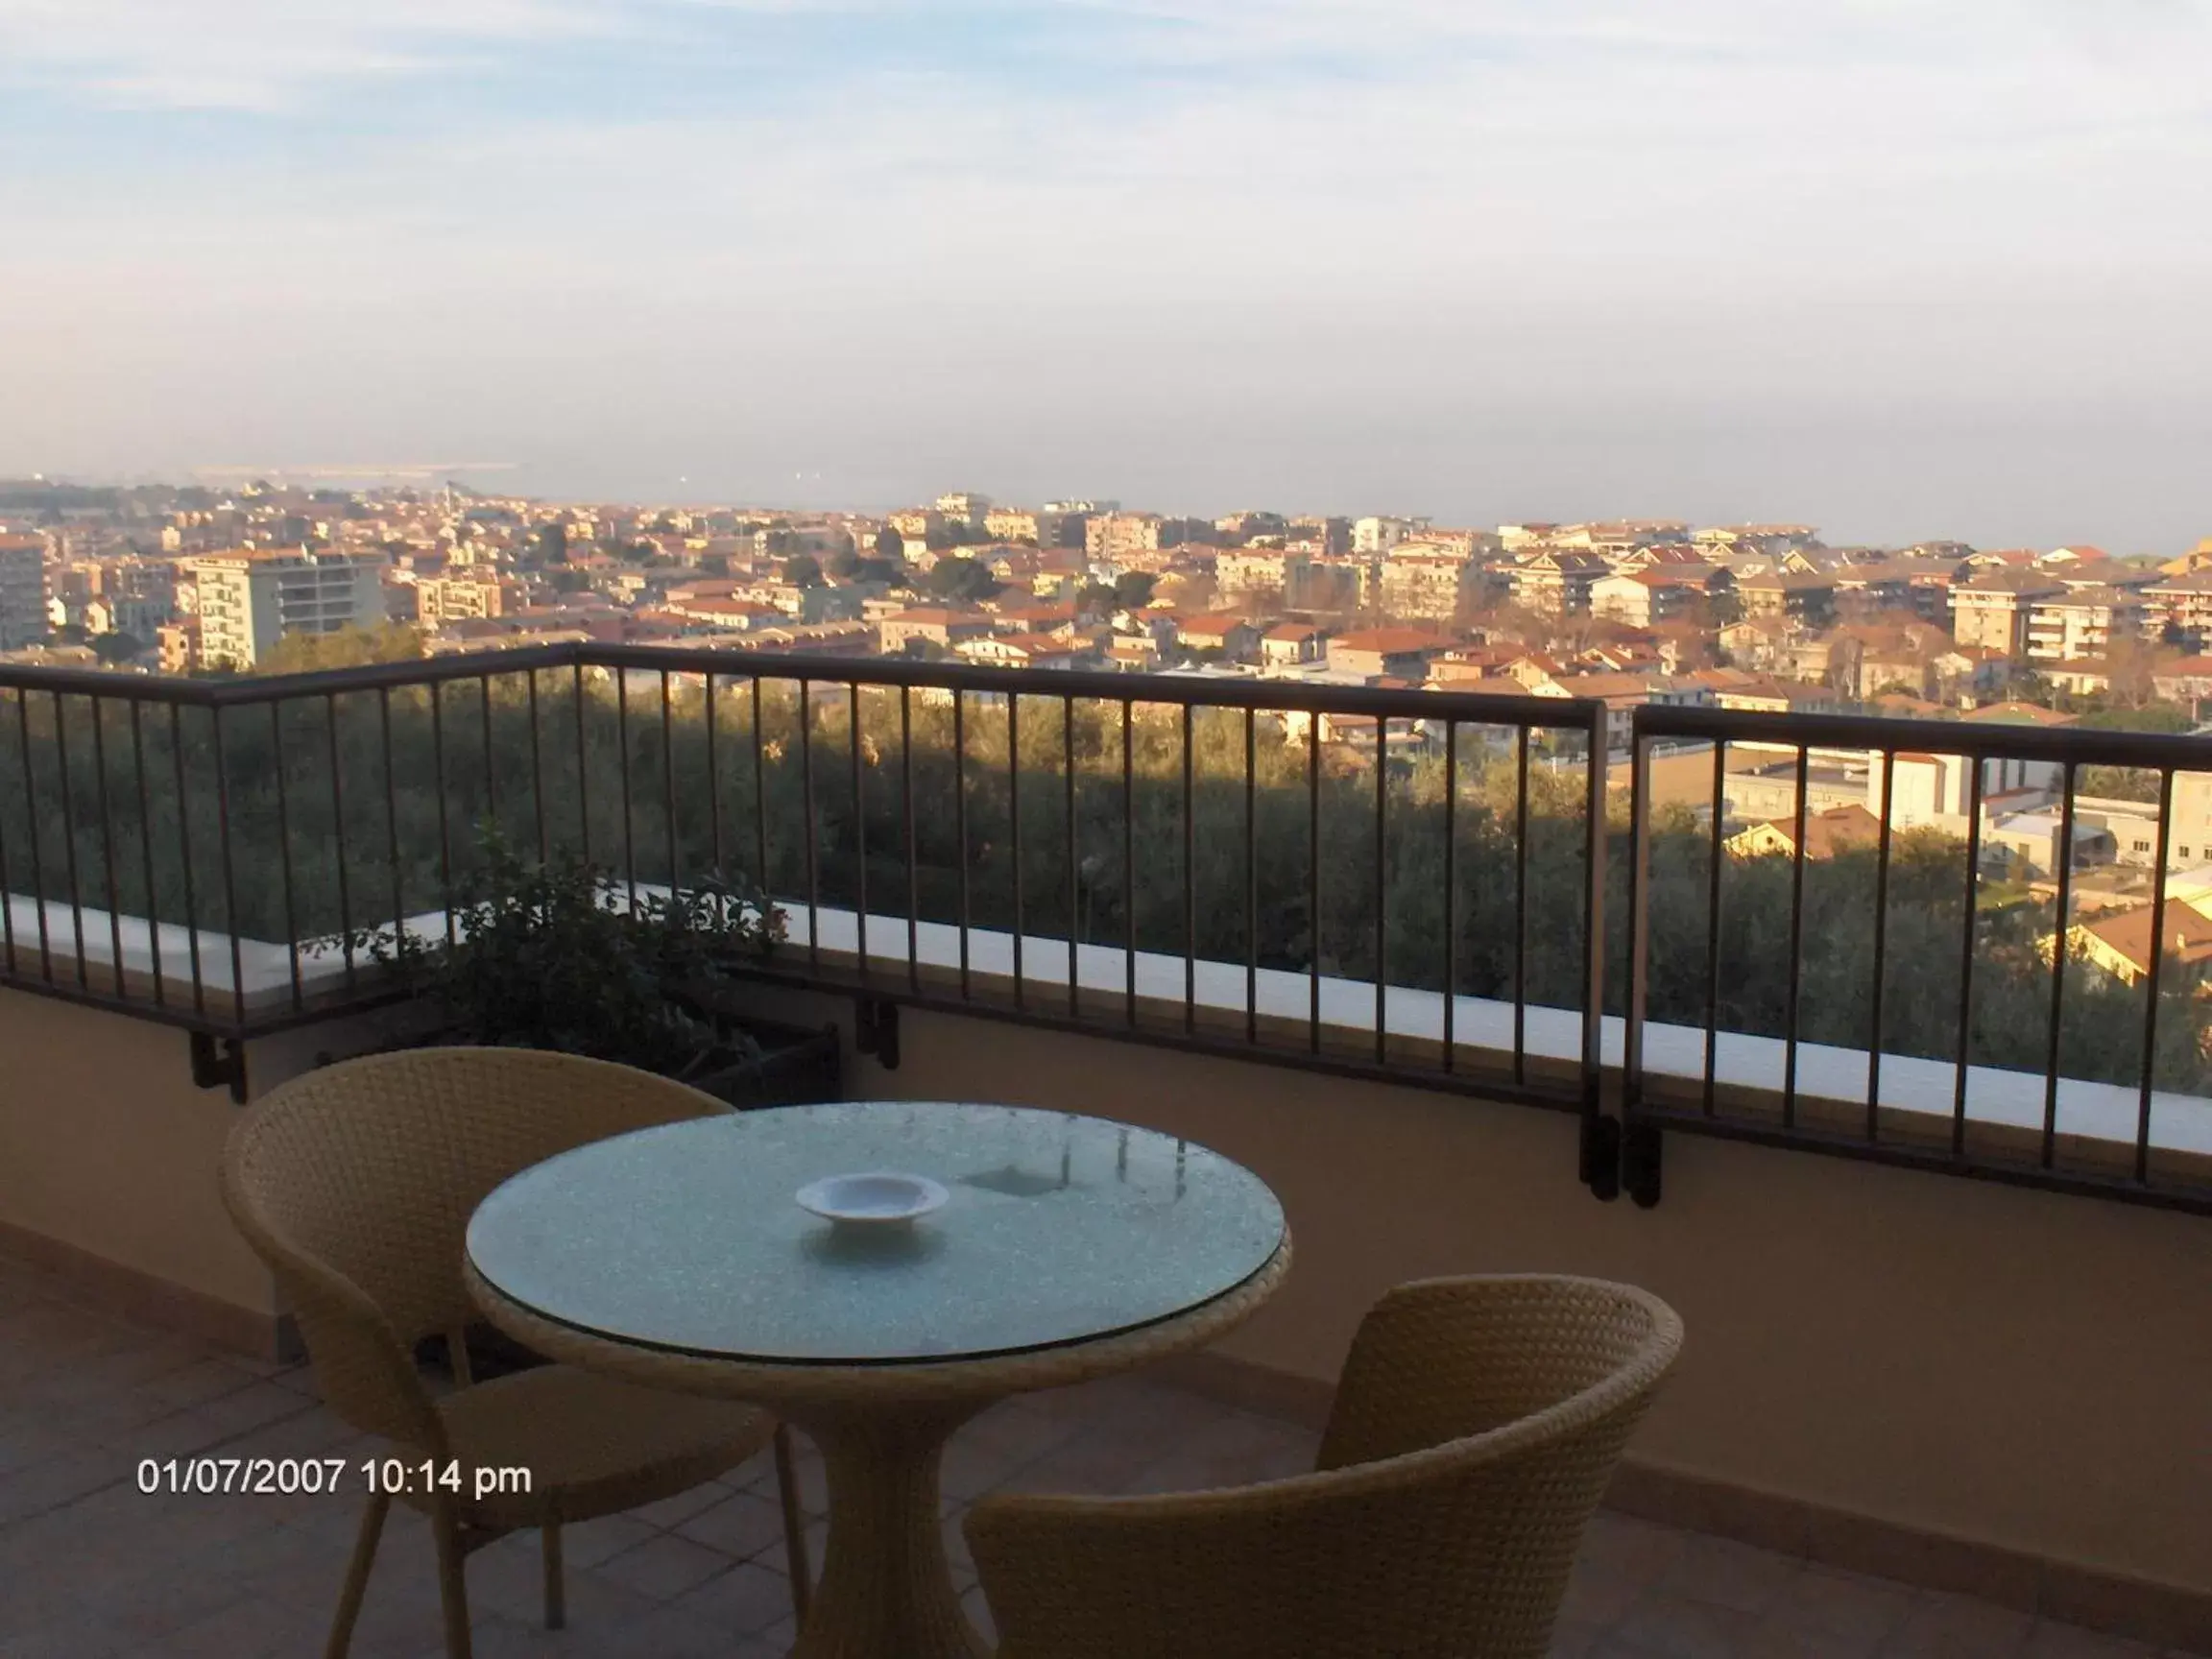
{"x": 365, "y": 1544}
{"x": 556, "y": 1591}
{"x": 793, "y": 1524}
{"x": 452, "y": 1585}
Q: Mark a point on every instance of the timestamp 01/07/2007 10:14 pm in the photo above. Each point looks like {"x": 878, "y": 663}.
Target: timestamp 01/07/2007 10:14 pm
{"x": 397, "y": 1477}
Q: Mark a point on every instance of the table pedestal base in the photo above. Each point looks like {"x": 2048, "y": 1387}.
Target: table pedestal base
{"x": 886, "y": 1588}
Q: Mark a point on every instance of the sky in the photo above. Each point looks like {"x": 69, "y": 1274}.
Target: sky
{"x": 1897, "y": 269}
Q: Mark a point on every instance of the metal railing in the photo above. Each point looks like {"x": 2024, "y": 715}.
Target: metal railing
{"x": 2047, "y": 1070}
{"x": 1407, "y": 885}
{"x": 1266, "y": 869}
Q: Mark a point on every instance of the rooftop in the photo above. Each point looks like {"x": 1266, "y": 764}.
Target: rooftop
{"x": 102, "y": 1569}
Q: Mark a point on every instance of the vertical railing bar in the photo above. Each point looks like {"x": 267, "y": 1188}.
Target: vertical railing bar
{"x": 1450, "y": 891}
{"x": 2156, "y": 969}
{"x": 1381, "y": 888}
{"x": 1014, "y": 828}
{"x": 668, "y": 784}
{"x": 1639, "y": 989}
{"x": 713, "y": 786}
{"x": 1129, "y": 863}
{"x": 284, "y": 849}
{"x": 392, "y": 823}
{"x": 622, "y": 755}
{"x": 31, "y": 818}
{"x": 491, "y": 768}
{"x": 146, "y": 854}
{"x": 1314, "y": 881}
{"x": 107, "y": 845}
{"x": 7, "y": 907}
{"x": 1074, "y": 869}
{"x": 960, "y": 822}
{"x": 583, "y": 771}
{"x": 1593, "y": 854}
{"x": 913, "y": 859}
{"x": 1521, "y": 909}
{"x": 2065, "y": 902}
{"x": 1710, "y": 1079}
{"x": 807, "y": 818}
{"x": 69, "y": 835}
{"x": 1793, "y": 990}
{"x": 184, "y": 850}
{"x": 859, "y": 820}
{"x": 337, "y": 839}
{"x": 1251, "y": 875}
{"x": 1881, "y": 945}
{"x": 538, "y": 777}
{"x": 1973, "y": 764}
{"x": 438, "y": 788}
{"x": 229, "y": 870}
{"x": 1189, "y": 877}
{"x": 759, "y": 791}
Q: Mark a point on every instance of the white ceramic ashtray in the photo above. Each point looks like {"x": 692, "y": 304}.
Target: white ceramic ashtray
{"x": 878, "y": 1199}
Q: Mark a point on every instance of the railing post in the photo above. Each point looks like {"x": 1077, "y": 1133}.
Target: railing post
{"x": 1639, "y": 1171}
{"x": 1600, "y": 1153}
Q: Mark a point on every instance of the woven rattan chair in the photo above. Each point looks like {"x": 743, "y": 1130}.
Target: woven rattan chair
{"x": 355, "y": 1183}
{"x": 1474, "y": 1431}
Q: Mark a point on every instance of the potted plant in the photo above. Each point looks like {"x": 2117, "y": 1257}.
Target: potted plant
{"x": 556, "y": 955}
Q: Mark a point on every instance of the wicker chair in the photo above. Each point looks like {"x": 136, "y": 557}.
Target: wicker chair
{"x": 1474, "y": 1431}
{"x": 355, "y": 1183}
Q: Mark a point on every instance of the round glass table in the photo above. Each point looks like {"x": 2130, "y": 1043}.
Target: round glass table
{"x": 1069, "y": 1247}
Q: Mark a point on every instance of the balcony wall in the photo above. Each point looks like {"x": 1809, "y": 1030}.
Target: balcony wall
{"x": 1970, "y": 1385}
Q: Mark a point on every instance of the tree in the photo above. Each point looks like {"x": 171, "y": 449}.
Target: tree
{"x": 1132, "y": 588}
{"x": 890, "y": 545}
{"x": 347, "y": 648}
{"x": 714, "y": 564}
{"x": 960, "y": 578}
{"x": 803, "y": 571}
{"x": 117, "y": 647}
{"x": 553, "y": 542}
{"x": 843, "y": 563}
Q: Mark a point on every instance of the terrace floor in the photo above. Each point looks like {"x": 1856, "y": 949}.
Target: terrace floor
{"x": 92, "y": 1569}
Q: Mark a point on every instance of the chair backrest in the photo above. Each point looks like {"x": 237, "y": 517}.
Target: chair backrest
{"x": 356, "y": 1183}
{"x": 1476, "y": 1426}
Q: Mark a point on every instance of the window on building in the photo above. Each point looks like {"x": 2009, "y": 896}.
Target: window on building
{"x": 2142, "y": 846}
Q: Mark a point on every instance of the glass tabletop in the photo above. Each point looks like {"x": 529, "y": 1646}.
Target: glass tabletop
{"x": 1058, "y": 1229}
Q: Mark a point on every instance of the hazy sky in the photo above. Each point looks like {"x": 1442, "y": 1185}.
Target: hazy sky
{"x": 1902, "y": 268}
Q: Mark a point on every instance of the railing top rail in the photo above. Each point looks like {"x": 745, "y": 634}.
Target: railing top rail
{"x": 1990, "y": 740}
{"x": 1086, "y": 686}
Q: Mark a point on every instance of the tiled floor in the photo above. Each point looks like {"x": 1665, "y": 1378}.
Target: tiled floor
{"x": 92, "y": 1569}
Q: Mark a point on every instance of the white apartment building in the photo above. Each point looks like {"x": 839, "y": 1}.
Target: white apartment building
{"x": 2083, "y": 623}
{"x": 251, "y": 599}
{"x": 1381, "y": 535}
{"x": 22, "y": 591}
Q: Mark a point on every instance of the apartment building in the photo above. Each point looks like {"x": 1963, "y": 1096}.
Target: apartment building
{"x": 442, "y": 599}
{"x": 964, "y": 507}
{"x": 2182, "y": 603}
{"x": 22, "y": 591}
{"x": 1638, "y": 598}
{"x": 1428, "y": 584}
{"x": 1263, "y": 570}
{"x": 251, "y": 598}
{"x": 1991, "y": 611}
{"x": 2083, "y": 622}
{"x": 1012, "y": 524}
{"x": 1378, "y": 534}
{"x": 1804, "y": 600}
{"x": 1116, "y": 536}
{"x": 1556, "y": 582}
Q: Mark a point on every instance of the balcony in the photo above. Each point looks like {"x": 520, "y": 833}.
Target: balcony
{"x": 1945, "y": 1288}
